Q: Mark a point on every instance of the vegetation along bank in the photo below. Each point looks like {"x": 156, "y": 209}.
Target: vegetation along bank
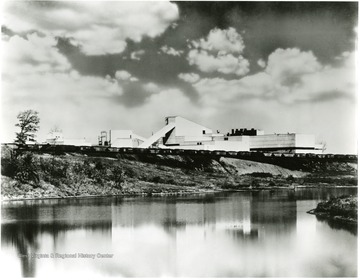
{"x": 28, "y": 174}
{"x": 340, "y": 209}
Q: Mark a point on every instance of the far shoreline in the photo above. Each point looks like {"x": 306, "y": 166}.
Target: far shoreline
{"x": 175, "y": 194}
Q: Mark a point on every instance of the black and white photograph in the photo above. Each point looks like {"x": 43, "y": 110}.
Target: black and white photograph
{"x": 202, "y": 139}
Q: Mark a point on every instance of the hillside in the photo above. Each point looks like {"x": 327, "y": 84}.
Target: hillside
{"x": 32, "y": 175}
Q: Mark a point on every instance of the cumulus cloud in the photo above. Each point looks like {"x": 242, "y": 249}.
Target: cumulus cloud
{"x": 4, "y": 37}
{"x": 189, "y": 77}
{"x": 261, "y": 63}
{"x": 151, "y": 87}
{"x": 287, "y": 65}
{"x": 122, "y": 75}
{"x": 125, "y": 76}
{"x": 298, "y": 76}
{"x": 290, "y": 76}
{"x": 32, "y": 54}
{"x": 137, "y": 54}
{"x": 57, "y": 86}
{"x": 222, "y": 92}
{"x": 99, "y": 27}
{"x": 328, "y": 82}
{"x": 170, "y": 51}
{"x": 220, "y": 52}
{"x": 227, "y": 40}
{"x": 223, "y": 63}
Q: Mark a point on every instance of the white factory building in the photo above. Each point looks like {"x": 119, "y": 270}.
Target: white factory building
{"x": 180, "y": 133}
{"x": 120, "y": 139}
{"x": 285, "y": 143}
{"x": 57, "y": 138}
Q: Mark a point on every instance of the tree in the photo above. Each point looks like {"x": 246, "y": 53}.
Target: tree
{"x": 29, "y": 125}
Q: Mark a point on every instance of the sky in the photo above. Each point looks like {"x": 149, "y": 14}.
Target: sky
{"x": 87, "y": 66}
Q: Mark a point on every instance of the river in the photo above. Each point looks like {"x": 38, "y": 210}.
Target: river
{"x": 239, "y": 234}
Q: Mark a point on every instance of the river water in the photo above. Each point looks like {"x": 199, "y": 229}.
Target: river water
{"x": 242, "y": 234}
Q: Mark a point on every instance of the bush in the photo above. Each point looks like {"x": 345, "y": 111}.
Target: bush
{"x": 261, "y": 174}
{"x": 22, "y": 167}
{"x": 255, "y": 183}
{"x": 9, "y": 164}
{"x": 290, "y": 178}
{"x": 272, "y": 184}
{"x": 117, "y": 176}
{"x": 171, "y": 181}
{"x": 156, "y": 179}
{"x": 54, "y": 167}
{"x": 28, "y": 170}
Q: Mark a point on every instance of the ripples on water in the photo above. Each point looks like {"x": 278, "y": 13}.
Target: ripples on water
{"x": 244, "y": 234}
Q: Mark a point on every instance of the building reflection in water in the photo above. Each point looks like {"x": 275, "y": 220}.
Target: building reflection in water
{"x": 241, "y": 217}
{"x": 24, "y": 223}
{"x": 273, "y": 214}
{"x": 250, "y": 227}
{"x": 249, "y": 213}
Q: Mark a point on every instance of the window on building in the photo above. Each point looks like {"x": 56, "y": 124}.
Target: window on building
{"x": 203, "y": 131}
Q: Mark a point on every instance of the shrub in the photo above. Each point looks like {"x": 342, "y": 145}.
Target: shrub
{"x": 116, "y": 176}
{"x": 22, "y": 167}
{"x": 255, "y": 183}
{"x": 156, "y": 179}
{"x": 272, "y": 184}
{"x": 261, "y": 174}
{"x": 9, "y": 164}
{"x": 76, "y": 177}
{"x": 171, "y": 181}
{"x": 290, "y": 178}
{"x": 54, "y": 167}
{"x": 54, "y": 170}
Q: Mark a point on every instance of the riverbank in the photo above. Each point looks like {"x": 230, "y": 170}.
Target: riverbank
{"x": 340, "y": 209}
{"x": 29, "y": 175}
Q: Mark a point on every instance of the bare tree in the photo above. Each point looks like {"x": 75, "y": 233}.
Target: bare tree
{"x": 29, "y": 125}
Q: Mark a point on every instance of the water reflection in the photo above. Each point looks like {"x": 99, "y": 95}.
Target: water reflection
{"x": 24, "y": 237}
{"x": 250, "y": 234}
{"x": 25, "y": 223}
{"x": 339, "y": 225}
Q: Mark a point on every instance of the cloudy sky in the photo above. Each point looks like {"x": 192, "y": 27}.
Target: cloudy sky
{"x": 92, "y": 66}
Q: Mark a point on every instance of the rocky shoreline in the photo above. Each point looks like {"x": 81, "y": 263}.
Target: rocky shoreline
{"x": 340, "y": 209}
{"x": 36, "y": 176}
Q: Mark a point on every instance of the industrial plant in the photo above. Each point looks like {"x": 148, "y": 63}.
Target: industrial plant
{"x": 180, "y": 133}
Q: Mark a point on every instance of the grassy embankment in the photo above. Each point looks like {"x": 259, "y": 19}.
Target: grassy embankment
{"x": 29, "y": 175}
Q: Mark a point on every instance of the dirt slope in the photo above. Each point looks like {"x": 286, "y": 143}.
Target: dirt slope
{"x": 241, "y": 167}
